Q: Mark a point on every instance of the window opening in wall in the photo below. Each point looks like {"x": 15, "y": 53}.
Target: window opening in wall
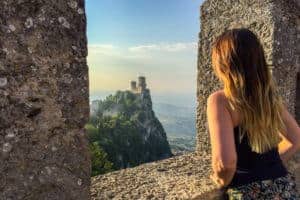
{"x": 142, "y": 63}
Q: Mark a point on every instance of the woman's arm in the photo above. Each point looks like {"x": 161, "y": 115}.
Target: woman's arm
{"x": 291, "y": 142}
{"x": 224, "y": 157}
{"x": 286, "y": 150}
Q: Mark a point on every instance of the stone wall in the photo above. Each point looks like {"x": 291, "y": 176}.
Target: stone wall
{"x": 43, "y": 100}
{"x": 286, "y": 60}
{"x": 286, "y": 49}
{"x": 179, "y": 177}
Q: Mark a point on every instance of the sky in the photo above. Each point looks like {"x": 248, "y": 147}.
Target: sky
{"x": 154, "y": 38}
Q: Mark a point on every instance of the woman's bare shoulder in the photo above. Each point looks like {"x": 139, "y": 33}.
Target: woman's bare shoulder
{"x": 220, "y": 97}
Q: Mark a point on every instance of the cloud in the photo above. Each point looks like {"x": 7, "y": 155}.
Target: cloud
{"x": 102, "y": 46}
{"x": 112, "y": 66}
{"x": 106, "y": 49}
{"x": 175, "y": 47}
{"x": 109, "y": 49}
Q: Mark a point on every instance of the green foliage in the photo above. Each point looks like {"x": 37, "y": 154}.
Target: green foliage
{"x": 94, "y": 120}
{"x": 92, "y": 132}
{"x": 100, "y": 163}
{"x": 126, "y": 103}
{"x": 120, "y": 138}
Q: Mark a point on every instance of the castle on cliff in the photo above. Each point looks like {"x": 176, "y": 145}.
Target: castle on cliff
{"x": 140, "y": 86}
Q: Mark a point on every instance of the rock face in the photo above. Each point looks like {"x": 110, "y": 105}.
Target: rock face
{"x": 43, "y": 100}
{"x": 143, "y": 141}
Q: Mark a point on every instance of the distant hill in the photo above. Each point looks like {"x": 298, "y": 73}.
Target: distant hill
{"x": 180, "y": 125}
{"x": 178, "y": 121}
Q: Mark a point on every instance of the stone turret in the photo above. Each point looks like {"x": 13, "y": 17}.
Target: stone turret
{"x": 139, "y": 87}
{"x": 133, "y": 85}
{"x": 142, "y": 83}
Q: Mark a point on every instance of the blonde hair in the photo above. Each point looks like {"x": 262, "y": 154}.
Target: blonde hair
{"x": 238, "y": 60}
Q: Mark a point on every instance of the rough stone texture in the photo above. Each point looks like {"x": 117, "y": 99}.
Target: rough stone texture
{"x": 286, "y": 60}
{"x": 43, "y": 100}
{"x": 179, "y": 177}
{"x": 286, "y": 50}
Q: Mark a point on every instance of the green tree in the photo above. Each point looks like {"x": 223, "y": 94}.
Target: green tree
{"x": 92, "y": 132}
{"x": 100, "y": 163}
{"x": 120, "y": 140}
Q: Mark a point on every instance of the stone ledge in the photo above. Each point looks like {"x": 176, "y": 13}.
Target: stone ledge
{"x": 179, "y": 177}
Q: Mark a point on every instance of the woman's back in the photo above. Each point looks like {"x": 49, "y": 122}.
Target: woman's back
{"x": 258, "y": 175}
{"x": 251, "y": 102}
{"x": 252, "y": 166}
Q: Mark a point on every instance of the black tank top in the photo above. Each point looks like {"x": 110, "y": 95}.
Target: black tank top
{"x": 252, "y": 166}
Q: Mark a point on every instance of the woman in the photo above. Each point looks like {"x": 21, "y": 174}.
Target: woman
{"x": 252, "y": 133}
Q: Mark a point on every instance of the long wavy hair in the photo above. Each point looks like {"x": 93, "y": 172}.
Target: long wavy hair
{"x": 239, "y": 62}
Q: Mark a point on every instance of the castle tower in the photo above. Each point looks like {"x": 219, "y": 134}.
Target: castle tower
{"x": 142, "y": 83}
{"x": 133, "y": 86}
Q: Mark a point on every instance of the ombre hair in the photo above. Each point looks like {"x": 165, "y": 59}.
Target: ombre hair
{"x": 239, "y": 62}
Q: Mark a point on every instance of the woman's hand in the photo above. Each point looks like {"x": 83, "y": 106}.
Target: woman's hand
{"x": 222, "y": 179}
{"x": 219, "y": 182}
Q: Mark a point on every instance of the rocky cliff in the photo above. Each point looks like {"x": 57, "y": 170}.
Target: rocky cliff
{"x": 128, "y": 129}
